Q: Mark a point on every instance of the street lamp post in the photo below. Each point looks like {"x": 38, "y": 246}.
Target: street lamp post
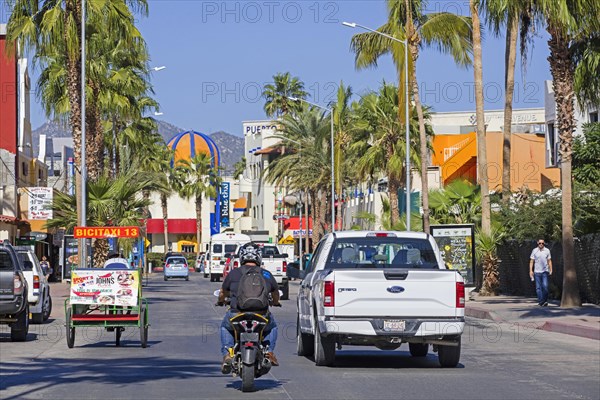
{"x": 404, "y": 42}
{"x": 83, "y": 168}
{"x": 332, "y": 159}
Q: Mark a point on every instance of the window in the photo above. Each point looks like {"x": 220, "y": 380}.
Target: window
{"x": 188, "y": 248}
{"x": 217, "y": 248}
{"x": 594, "y": 116}
{"x": 230, "y": 248}
{"x": 382, "y": 252}
{"x": 262, "y": 212}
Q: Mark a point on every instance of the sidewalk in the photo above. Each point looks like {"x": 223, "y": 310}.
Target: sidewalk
{"x": 582, "y": 321}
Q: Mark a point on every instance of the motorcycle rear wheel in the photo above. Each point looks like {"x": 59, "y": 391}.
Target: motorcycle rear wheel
{"x": 247, "y": 378}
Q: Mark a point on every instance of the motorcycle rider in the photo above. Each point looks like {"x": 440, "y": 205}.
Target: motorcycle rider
{"x": 250, "y": 255}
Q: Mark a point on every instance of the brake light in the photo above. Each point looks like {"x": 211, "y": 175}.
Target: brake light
{"x": 285, "y": 266}
{"x": 329, "y": 294}
{"x": 381, "y": 234}
{"x": 168, "y": 265}
{"x": 235, "y": 264}
{"x": 460, "y": 295}
{"x": 36, "y": 282}
{"x": 18, "y": 285}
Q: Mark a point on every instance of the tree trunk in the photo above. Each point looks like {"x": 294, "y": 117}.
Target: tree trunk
{"x": 393, "y": 186}
{"x": 424, "y": 151}
{"x": 562, "y": 68}
{"x": 510, "y": 58}
{"x": 316, "y": 221}
{"x": 163, "y": 204}
{"x": 338, "y": 185}
{"x": 100, "y": 252}
{"x": 306, "y": 247}
{"x": 198, "y": 222}
{"x": 481, "y": 137}
{"x": 324, "y": 206}
{"x": 74, "y": 93}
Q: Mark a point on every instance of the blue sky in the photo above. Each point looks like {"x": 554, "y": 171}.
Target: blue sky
{"x": 219, "y": 54}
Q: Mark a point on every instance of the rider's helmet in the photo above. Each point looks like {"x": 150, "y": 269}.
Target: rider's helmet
{"x": 250, "y": 253}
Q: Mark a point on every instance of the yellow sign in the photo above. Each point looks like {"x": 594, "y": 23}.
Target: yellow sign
{"x": 287, "y": 240}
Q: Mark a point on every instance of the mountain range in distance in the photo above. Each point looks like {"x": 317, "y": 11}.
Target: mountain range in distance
{"x": 231, "y": 147}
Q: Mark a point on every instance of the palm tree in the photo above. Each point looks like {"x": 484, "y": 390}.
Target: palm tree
{"x": 448, "y": 32}
{"x": 481, "y": 137}
{"x": 384, "y": 150}
{"x": 342, "y": 119}
{"x": 277, "y": 94}
{"x": 306, "y": 164}
{"x": 569, "y": 23}
{"x": 239, "y": 167}
{"x": 199, "y": 179}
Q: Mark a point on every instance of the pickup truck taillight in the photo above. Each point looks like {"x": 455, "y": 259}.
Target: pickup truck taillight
{"x": 460, "y": 295}
{"x": 18, "y": 285}
{"x": 36, "y": 282}
{"x": 284, "y": 267}
{"x": 329, "y": 294}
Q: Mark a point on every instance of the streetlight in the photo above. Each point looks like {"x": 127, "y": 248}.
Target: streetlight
{"x": 332, "y": 166}
{"x": 82, "y": 243}
{"x": 156, "y": 69}
{"x": 157, "y": 114}
{"x": 355, "y": 25}
{"x": 299, "y": 199}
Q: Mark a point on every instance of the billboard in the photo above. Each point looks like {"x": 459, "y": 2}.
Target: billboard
{"x": 457, "y": 245}
{"x": 40, "y": 203}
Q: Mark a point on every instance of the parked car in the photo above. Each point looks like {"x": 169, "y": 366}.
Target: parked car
{"x": 380, "y": 289}
{"x": 14, "y": 307}
{"x": 38, "y": 296}
{"x": 176, "y": 267}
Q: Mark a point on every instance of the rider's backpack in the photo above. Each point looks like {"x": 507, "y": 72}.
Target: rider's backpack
{"x": 252, "y": 291}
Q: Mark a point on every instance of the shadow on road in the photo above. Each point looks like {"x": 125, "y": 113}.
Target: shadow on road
{"x": 125, "y": 370}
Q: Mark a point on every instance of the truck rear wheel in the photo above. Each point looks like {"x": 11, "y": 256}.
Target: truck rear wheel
{"x": 324, "y": 349}
{"x": 305, "y": 343}
{"x": 20, "y": 329}
{"x": 449, "y": 356}
{"x": 286, "y": 291}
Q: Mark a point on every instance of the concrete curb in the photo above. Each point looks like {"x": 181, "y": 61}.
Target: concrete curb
{"x": 482, "y": 313}
{"x": 571, "y": 329}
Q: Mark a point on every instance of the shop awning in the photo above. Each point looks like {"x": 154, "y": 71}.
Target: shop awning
{"x": 268, "y": 150}
{"x": 240, "y": 205}
{"x": 174, "y": 226}
{"x": 8, "y": 218}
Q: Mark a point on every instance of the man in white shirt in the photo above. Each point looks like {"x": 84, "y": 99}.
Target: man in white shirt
{"x": 540, "y": 268}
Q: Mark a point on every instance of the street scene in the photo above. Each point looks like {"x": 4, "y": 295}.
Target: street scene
{"x": 292, "y": 199}
{"x": 500, "y": 360}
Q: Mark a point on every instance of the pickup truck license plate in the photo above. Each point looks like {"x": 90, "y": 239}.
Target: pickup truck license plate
{"x": 394, "y": 325}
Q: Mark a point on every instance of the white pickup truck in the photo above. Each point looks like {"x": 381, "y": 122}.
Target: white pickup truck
{"x": 380, "y": 289}
{"x": 276, "y": 264}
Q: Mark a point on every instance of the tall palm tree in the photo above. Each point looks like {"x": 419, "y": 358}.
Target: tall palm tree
{"x": 481, "y": 136}
{"x": 568, "y": 23}
{"x": 306, "y": 163}
{"x": 448, "y": 32}
{"x": 239, "y": 167}
{"x": 277, "y": 94}
{"x": 199, "y": 180}
{"x": 342, "y": 119}
{"x": 384, "y": 151}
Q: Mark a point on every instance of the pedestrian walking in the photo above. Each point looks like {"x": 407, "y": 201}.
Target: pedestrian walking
{"x": 540, "y": 268}
{"x": 46, "y": 267}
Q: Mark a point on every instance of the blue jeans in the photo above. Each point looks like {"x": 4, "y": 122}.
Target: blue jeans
{"x": 227, "y": 341}
{"x": 541, "y": 286}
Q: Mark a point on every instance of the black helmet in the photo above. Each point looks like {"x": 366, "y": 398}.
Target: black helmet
{"x": 250, "y": 252}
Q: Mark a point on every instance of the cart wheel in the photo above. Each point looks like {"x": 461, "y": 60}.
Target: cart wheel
{"x": 70, "y": 330}
{"x": 118, "y": 332}
{"x": 144, "y": 327}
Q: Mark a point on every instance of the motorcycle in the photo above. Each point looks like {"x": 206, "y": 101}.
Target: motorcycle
{"x": 249, "y": 354}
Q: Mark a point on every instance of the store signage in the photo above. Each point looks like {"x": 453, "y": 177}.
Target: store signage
{"x": 457, "y": 245}
{"x": 99, "y": 232}
{"x": 40, "y": 203}
{"x": 225, "y": 204}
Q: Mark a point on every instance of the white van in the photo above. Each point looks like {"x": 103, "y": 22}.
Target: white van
{"x": 221, "y": 244}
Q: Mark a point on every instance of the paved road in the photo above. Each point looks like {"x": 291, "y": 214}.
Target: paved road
{"x": 182, "y": 361}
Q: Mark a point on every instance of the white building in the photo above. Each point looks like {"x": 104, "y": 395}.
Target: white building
{"x": 589, "y": 114}
{"x": 264, "y": 200}
{"x": 525, "y": 120}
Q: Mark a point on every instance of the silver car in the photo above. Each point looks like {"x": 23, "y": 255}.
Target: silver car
{"x": 176, "y": 267}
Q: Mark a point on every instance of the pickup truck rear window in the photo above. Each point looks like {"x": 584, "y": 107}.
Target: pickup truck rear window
{"x": 5, "y": 261}
{"x": 382, "y": 252}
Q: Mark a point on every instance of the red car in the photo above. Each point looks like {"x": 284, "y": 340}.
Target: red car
{"x": 231, "y": 263}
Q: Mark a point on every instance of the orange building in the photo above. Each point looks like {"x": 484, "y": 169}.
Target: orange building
{"x": 456, "y": 155}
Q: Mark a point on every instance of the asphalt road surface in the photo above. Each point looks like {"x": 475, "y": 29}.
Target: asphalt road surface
{"x": 182, "y": 361}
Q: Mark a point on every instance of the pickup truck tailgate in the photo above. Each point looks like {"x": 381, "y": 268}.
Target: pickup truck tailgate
{"x": 394, "y": 293}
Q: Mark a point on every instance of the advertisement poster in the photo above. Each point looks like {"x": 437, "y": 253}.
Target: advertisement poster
{"x": 71, "y": 259}
{"x": 104, "y": 287}
{"x": 457, "y": 245}
{"x": 40, "y": 202}
{"x": 224, "y": 198}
